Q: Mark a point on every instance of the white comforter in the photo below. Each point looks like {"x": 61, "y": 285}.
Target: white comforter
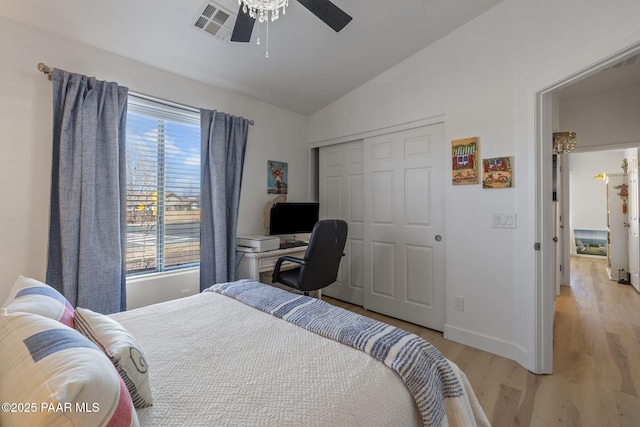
{"x": 214, "y": 361}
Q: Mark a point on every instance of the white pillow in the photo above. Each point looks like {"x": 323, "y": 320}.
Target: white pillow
{"x": 31, "y": 296}
{"x": 123, "y": 350}
{"x": 53, "y": 375}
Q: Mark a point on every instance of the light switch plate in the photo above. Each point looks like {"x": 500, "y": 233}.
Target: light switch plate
{"x": 503, "y": 220}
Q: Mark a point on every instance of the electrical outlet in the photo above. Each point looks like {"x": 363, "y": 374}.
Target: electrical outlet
{"x": 458, "y": 303}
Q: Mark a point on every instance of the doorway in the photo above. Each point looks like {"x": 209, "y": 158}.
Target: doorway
{"x": 597, "y": 220}
{"x": 548, "y": 120}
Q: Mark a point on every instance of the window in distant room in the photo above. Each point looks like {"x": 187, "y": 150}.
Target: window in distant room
{"x": 163, "y": 186}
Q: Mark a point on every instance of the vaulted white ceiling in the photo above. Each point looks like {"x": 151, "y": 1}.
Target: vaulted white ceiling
{"x": 309, "y": 65}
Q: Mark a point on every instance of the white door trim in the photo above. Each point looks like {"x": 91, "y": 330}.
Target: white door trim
{"x": 634, "y": 240}
{"x": 544, "y": 259}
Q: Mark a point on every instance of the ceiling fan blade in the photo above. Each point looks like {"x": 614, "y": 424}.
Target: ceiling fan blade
{"x": 243, "y": 28}
{"x": 328, "y": 12}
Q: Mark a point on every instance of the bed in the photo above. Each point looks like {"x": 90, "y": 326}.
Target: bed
{"x": 215, "y": 360}
{"x": 239, "y": 354}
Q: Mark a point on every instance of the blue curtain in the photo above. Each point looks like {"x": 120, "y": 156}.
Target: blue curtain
{"x": 87, "y": 229}
{"x": 224, "y": 142}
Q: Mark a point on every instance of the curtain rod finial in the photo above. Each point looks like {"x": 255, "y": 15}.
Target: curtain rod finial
{"x": 44, "y": 69}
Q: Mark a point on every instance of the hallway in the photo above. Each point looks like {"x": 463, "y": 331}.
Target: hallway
{"x": 597, "y": 347}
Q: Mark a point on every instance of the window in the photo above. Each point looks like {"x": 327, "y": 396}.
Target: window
{"x": 163, "y": 186}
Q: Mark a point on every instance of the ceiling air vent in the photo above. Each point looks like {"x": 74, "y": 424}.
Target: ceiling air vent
{"x": 215, "y": 20}
{"x": 634, "y": 60}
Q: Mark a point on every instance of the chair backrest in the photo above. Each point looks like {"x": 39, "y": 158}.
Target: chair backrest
{"x": 323, "y": 254}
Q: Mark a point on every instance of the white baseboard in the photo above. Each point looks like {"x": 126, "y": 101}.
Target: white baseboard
{"x": 487, "y": 343}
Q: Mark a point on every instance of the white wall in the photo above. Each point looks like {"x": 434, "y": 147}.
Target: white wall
{"x": 607, "y": 117}
{"x": 483, "y": 78}
{"x": 25, "y": 137}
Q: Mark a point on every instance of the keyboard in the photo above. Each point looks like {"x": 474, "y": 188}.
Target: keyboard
{"x": 296, "y": 244}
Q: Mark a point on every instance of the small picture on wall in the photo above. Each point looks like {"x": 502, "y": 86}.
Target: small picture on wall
{"x": 591, "y": 242}
{"x": 276, "y": 177}
{"x": 497, "y": 173}
{"x": 464, "y": 157}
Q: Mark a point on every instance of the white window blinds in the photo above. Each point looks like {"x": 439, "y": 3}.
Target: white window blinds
{"x": 163, "y": 186}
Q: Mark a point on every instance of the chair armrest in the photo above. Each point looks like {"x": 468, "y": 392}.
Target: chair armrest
{"x": 289, "y": 258}
{"x": 276, "y": 269}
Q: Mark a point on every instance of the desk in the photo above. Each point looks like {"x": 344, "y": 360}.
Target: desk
{"x": 251, "y": 264}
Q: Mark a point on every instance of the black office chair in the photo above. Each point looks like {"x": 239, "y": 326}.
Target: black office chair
{"x": 319, "y": 267}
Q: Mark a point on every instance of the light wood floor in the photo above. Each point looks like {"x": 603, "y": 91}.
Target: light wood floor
{"x": 596, "y": 359}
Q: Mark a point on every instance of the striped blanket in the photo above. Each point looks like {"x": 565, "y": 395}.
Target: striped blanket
{"x": 427, "y": 374}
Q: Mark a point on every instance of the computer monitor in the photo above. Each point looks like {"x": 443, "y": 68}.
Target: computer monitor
{"x": 293, "y": 218}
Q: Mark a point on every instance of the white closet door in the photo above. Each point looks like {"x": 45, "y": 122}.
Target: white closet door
{"x": 342, "y": 196}
{"x": 404, "y": 254}
{"x": 634, "y": 225}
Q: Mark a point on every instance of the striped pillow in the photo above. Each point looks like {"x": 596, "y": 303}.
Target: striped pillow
{"x": 32, "y": 296}
{"x": 53, "y": 375}
{"x": 123, "y": 350}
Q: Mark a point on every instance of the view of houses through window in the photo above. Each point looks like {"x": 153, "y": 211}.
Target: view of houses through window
{"x": 163, "y": 187}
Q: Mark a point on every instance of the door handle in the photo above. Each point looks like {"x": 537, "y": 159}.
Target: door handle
{"x": 438, "y": 238}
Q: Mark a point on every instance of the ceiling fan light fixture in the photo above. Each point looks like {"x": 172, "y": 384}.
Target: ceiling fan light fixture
{"x": 261, "y": 9}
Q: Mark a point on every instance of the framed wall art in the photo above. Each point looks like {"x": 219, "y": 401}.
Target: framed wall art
{"x": 497, "y": 173}
{"x": 464, "y": 161}
{"x": 591, "y": 242}
{"x": 277, "y": 177}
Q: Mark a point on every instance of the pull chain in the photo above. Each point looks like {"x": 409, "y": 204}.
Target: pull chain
{"x": 267, "y": 54}
{"x": 258, "y": 41}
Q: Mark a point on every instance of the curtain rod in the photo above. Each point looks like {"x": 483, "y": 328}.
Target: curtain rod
{"x": 49, "y": 72}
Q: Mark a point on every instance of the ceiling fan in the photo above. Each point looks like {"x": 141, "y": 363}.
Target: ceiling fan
{"x": 328, "y": 12}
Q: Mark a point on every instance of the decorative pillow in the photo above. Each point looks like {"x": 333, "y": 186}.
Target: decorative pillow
{"x": 123, "y": 350}
{"x": 53, "y": 375}
{"x": 32, "y": 296}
